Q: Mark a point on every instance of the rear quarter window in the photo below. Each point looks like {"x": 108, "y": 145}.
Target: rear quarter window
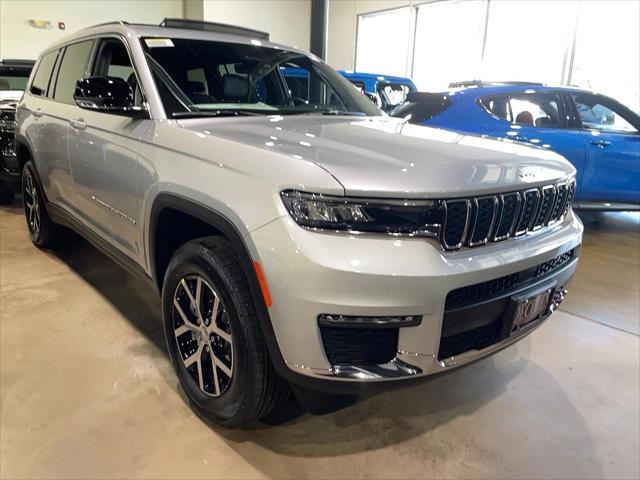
{"x": 41, "y": 79}
{"x": 421, "y": 107}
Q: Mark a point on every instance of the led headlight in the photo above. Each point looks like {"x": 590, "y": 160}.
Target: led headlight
{"x": 417, "y": 217}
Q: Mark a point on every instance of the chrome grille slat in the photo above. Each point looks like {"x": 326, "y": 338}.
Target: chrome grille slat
{"x": 531, "y": 200}
{"x": 483, "y": 220}
{"x": 478, "y": 220}
{"x": 456, "y": 223}
{"x": 509, "y": 206}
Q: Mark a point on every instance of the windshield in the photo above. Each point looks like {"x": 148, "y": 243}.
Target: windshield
{"x": 204, "y": 78}
{"x": 13, "y": 78}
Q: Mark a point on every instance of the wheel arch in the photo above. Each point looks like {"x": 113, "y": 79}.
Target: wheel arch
{"x": 218, "y": 224}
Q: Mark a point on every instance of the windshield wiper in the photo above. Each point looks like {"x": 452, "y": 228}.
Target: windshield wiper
{"x": 214, "y": 113}
{"x": 335, "y": 111}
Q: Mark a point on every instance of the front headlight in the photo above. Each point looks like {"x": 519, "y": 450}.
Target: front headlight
{"x": 405, "y": 217}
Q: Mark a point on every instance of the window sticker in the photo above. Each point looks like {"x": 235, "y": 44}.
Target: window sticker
{"x": 158, "y": 42}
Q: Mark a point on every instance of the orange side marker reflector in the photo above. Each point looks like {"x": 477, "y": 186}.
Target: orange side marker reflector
{"x": 263, "y": 283}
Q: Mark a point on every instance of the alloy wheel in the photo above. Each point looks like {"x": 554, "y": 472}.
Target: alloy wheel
{"x": 203, "y": 334}
{"x": 31, "y": 203}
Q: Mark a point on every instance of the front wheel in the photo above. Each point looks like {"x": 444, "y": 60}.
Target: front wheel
{"x": 213, "y": 336}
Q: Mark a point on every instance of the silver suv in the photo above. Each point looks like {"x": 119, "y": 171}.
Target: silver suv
{"x": 301, "y": 242}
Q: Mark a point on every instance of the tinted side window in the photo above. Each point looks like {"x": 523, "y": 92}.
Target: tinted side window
{"x": 533, "y": 110}
{"x": 536, "y": 111}
{"x": 599, "y": 115}
{"x": 43, "y": 74}
{"x": 421, "y": 107}
{"x": 498, "y": 106}
{"x": 73, "y": 68}
{"x": 392, "y": 94}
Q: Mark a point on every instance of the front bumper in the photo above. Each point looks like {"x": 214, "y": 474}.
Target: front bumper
{"x": 311, "y": 273}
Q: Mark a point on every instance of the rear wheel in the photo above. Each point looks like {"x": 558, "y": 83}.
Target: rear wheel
{"x": 42, "y": 230}
{"x": 213, "y": 336}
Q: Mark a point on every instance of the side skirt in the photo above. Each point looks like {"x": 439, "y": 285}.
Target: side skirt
{"x": 61, "y": 217}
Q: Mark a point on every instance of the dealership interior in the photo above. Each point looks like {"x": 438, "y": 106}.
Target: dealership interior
{"x": 93, "y": 393}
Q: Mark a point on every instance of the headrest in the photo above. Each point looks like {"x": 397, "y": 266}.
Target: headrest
{"x": 525, "y": 118}
{"x": 236, "y": 88}
{"x": 4, "y": 84}
{"x": 193, "y": 87}
{"x": 545, "y": 122}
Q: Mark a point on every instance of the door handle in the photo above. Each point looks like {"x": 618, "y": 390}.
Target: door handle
{"x": 78, "y": 124}
{"x": 600, "y": 143}
{"x": 37, "y": 113}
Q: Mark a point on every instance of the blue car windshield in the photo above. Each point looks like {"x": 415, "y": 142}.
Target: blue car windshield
{"x": 206, "y": 78}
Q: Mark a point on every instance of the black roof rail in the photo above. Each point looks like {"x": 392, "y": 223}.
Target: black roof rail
{"x": 482, "y": 83}
{"x": 213, "y": 27}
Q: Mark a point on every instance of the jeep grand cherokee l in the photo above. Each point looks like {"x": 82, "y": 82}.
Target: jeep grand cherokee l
{"x": 304, "y": 242}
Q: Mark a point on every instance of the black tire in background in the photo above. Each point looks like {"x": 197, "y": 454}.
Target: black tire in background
{"x": 42, "y": 230}
{"x": 6, "y": 195}
{"x": 209, "y": 268}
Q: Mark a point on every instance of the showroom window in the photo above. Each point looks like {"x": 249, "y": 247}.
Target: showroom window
{"x": 460, "y": 27}
{"x": 607, "y": 51}
{"x": 384, "y": 42}
{"x": 594, "y": 44}
{"x": 528, "y": 40}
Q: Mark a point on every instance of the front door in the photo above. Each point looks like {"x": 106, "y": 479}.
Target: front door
{"x": 610, "y": 133}
{"x": 103, "y": 150}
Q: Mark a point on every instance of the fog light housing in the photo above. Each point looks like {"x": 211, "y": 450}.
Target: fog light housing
{"x": 357, "y": 321}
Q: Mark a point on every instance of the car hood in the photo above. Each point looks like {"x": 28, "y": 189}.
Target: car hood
{"x": 384, "y": 156}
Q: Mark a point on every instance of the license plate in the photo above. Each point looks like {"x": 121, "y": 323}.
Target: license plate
{"x": 530, "y": 308}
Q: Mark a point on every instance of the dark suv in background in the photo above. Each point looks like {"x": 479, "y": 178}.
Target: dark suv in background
{"x": 14, "y": 75}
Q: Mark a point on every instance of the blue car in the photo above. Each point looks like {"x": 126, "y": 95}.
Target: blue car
{"x": 597, "y": 134}
{"x": 388, "y": 92}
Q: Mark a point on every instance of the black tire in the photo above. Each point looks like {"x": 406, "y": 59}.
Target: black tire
{"x": 6, "y": 194}
{"x": 254, "y": 389}
{"x": 42, "y": 230}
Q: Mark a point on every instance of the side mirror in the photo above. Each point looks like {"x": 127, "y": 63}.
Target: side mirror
{"x": 373, "y": 98}
{"x": 107, "y": 95}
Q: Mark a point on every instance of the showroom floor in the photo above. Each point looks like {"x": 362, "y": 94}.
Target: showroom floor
{"x": 87, "y": 390}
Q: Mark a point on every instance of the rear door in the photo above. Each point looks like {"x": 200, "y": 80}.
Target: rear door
{"x": 539, "y": 119}
{"x": 103, "y": 150}
{"x": 610, "y": 132}
{"x": 46, "y": 133}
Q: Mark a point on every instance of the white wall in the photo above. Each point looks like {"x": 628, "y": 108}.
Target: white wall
{"x": 18, "y": 39}
{"x": 343, "y": 18}
{"x": 288, "y": 21}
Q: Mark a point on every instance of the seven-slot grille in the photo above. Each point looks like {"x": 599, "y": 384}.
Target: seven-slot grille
{"x": 475, "y": 221}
